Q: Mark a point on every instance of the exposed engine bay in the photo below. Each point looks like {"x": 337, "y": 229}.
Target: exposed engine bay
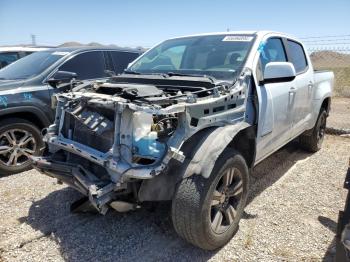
{"x": 108, "y": 138}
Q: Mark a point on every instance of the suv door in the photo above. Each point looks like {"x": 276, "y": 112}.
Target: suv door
{"x": 303, "y": 86}
{"x": 277, "y": 100}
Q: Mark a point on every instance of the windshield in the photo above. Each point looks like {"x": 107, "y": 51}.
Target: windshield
{"x": 218, "y": 56}
{"x": 30, "y": 65}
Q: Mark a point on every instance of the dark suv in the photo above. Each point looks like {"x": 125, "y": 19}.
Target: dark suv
{"x": 26, "y": 88}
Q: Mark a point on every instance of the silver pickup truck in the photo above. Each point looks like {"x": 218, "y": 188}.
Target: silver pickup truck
{"x": 186, "y": 122}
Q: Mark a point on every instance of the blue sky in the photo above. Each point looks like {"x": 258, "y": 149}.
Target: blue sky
{"x": 145, "y": 23}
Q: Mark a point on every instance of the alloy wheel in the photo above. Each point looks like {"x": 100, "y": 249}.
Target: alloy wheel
{"x": 16, "y": 146}
{"x": 225, "y": 200}
{"x": 321, "y": 130}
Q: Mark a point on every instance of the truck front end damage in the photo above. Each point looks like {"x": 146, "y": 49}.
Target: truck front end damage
{"x": 171, "y": 115}
{"x": 110, "y": 138}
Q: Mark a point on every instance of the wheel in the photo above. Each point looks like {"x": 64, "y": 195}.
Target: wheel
{"x": 206, "y": 212}
{"x": 313, "y": 142}
{"x": 19, "y": 139}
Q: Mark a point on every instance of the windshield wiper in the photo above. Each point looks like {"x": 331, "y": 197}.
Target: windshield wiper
{"x": 139, "y": 73}
{"x": 212, "y": 79}
{"x": 131, "y": 72}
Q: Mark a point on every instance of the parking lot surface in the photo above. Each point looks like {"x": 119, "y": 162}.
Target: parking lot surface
{"x": 291, "y": 215}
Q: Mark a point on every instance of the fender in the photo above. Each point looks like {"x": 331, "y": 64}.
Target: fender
{"x": 25, "y": 109}
{"x": 201, "y": 151}
{"x": 211, "y": 148}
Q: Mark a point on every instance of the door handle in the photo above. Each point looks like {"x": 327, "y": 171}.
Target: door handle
{"x": 310, "y": 86}
{"x": 292, "y": 90}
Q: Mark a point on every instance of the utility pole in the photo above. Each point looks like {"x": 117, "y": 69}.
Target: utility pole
{"x": 33, "y": 39}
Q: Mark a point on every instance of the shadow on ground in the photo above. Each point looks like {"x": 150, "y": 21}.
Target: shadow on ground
{"x": 140, "y": 235}
{"x": 332, "y": 226}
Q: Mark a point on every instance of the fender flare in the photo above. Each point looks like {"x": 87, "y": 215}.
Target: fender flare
{"x": 25, "y": 109}
{"x": 210, "y": 149}
{"x": 201, "y": 151}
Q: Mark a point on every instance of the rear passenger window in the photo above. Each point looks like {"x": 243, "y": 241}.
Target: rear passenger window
{"x": 87, "y": 65}
{"x": 297, "y": 56}
{"x": 121, "y": 60}
{"x": 273, "y": 51}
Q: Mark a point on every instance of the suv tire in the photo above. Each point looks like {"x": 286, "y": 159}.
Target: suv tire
{"x": 19, "y": 139}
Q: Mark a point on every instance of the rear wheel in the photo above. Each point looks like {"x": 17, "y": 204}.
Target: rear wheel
{"x": 19, "y": 139}
{"x": 313, "y": 142}
{"x": 206, "y": 212}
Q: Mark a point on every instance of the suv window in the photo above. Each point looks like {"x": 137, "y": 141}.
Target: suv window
{"x": 121, "y": 60}
{"x": 87, "y": 65}
{"x": 7, "y": 58}
{"x": 273, "y": 51}
{"x": 297, "y": 56}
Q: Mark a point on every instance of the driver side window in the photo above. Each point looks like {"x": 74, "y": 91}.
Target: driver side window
{"x": 272, "y": 51}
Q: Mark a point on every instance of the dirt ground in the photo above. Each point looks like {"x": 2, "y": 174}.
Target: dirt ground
{"x": 339, "y": 117}
{"x": 291, "y": 216}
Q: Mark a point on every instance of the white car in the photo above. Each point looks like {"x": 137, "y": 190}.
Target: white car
{"x": 9, "y": 54}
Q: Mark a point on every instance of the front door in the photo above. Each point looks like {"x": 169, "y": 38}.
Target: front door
{"x": 276, "y": 103}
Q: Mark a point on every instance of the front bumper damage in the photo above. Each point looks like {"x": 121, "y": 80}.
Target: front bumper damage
{"x": 91, "y": 148}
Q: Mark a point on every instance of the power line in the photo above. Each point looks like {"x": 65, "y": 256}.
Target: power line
{"x": 326, "y": 40}
{"x": 326, "y": 36}
{"x": 330, "y": 44}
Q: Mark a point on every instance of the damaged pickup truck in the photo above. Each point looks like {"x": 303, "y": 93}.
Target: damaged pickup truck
{"x": 186, "y": 122}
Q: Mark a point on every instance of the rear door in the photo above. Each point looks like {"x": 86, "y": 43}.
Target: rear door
{"x": 122, "y": 59}
{"x": 277, "y": 101}
{"x": 303, "y": 86}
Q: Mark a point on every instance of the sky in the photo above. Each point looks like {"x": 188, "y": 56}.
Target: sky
{"x": 145, "y": 23}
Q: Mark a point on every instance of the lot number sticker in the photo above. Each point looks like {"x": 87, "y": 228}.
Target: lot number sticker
{"x": 239, "y": 38}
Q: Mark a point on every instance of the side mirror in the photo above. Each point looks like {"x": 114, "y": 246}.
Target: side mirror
{"x": 61, "y": 77}
{"x": 278, "y": 72}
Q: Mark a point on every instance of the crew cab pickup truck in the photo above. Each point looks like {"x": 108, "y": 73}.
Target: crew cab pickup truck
{"x": 26, "y": 87}
{"x": 186, "y": 122}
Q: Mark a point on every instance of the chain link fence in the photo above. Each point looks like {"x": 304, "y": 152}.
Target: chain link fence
{"x": 332, "y": 53}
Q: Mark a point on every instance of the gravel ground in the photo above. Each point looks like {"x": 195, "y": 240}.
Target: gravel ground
{"x": 339, "y": 117}
{"x": 291, "y": 216}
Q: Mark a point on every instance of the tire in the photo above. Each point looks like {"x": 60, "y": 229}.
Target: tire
{"x": 196, "y": 204}
{"x": 313, "y": 142}
{"x": 19, "y": 138}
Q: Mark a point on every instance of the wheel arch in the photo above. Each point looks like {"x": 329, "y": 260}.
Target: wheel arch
{"x": 326, "y": 104}
{"x": 29, "y": 113}
{"x": 201, "y": 151}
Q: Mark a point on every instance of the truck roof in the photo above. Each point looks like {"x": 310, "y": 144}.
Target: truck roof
{"x": 257, "y": 33}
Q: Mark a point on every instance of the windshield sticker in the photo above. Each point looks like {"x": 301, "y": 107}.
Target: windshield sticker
{"x": 60, "y": 53}
{"x": 27, "y": 96}
{"x": 3, "y": 101}
{"x": 237, "y": 38}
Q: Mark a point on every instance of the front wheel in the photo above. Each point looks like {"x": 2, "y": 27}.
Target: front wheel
{"x": 206, "y": 211}
{"x": 19, "y": 139}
